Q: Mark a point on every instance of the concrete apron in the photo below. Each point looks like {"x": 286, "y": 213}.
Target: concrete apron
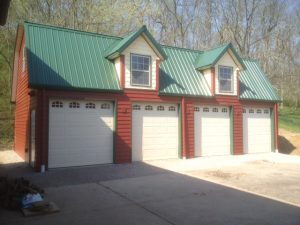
{"x": 186, "y": 167}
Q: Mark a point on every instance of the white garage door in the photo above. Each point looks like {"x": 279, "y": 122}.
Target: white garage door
{"x": 154, "y": 131}
{"x": 212, "y": 130}
{"x": 80, "y": 133}
{"x": 256, "y": 130}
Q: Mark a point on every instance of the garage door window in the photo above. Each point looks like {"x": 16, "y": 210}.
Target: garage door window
{"x": 74, "y": 105}
{"x": 172, "y": 108}
{"x": 136, "y": 107}
{"x": 196, "y": 109}
{"x": 266, "y": 111}
{"x": 224, "y": 110}
{"x": 160, "y": 108}
{"x": 215, "y": 110}
{"x": 57, "y": 104}
{"x": 105, "y": 106}
{"x": 148, "y": 107}
{"x": 258, "y": 111}
{"x": 205, "y": 109}
{"x": 251, "y": 111}
{"x": 244, "y": 110}
{"x": 90, "y": 105}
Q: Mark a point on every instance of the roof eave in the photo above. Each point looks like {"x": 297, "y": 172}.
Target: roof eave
{"x": 260, "y": 100}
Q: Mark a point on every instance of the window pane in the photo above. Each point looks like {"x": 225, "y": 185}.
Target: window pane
{"x": 140, "y": 59}
{"x": 146, "y": 60}
{"x": 134, "y": 59}
{"x": 134, "y": 65}
{"x": 225, "y": 85}
{"x": 139, "y": 77}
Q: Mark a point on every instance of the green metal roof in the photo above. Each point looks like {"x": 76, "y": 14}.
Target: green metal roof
{"x": 210, "y": 57}
{"x": 70, "y": 59}
{"x": 254, "y": 85}
{"x": 64, "y": 58}
{"x": 178, "y": 75}
{"x": 117, "y": 48}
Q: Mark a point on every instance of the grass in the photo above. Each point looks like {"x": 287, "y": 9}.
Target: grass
{"x": 289, "y": 119}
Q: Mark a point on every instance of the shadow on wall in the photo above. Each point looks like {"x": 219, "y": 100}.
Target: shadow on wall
{"x": 286, "y": 147}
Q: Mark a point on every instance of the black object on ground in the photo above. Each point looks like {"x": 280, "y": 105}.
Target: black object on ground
{"x": 13, "y": 189}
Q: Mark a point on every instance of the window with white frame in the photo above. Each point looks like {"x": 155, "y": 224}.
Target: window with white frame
{"x": 225, "y": 79}
{"x": 140, "y": 70}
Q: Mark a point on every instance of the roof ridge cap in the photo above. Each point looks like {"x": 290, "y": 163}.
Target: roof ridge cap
{"x": 219, "y": 46}
{"x": 72, "y": 30}
{"x": 181, "y": 48}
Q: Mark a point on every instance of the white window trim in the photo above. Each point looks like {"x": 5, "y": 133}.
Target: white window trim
{"x": 232, "y": 79}
{"x": 24, "y": 59}
{"x": 150, "y": 64}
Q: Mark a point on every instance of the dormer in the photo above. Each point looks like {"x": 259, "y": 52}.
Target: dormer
{"x": 136, "y": 58}
{"x": 221, "y": 67}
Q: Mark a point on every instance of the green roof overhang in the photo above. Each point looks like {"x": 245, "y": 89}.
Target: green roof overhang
{"x": 118, "y": 47}
{"x": 209, "y": 58}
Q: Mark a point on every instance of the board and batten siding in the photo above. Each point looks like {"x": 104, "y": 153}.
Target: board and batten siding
{"x": 22, "y": 110}
{"x": 140, "y": 47}
{"x": 207, "y": 75}
{"x": 226, "y": 60}
{"x": 118, "y": 67}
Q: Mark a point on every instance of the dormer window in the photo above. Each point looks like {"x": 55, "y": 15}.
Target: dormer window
{"x": 225, "y": 79}
{"x": 140, "y": 70}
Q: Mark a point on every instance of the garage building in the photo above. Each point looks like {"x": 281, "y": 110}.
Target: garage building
{"x": 85, "y": 98}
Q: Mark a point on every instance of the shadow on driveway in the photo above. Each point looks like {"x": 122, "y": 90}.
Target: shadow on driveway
{"x": 138, "y": 193}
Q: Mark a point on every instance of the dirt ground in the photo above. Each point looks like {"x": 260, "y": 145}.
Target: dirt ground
{"x": 289, "y": 143}
{"x": 279, "y": 181}
{"x": 9, "y": 157}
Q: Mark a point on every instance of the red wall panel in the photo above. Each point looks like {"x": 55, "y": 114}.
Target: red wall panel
{"x": 22, "y": 114}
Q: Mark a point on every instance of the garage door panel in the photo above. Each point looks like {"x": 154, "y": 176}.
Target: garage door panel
{"x": 80, "y": 136}
{"x": 155, "y": 133}
{"x": 212, "y": 131}
{"x": 256, "y": 130}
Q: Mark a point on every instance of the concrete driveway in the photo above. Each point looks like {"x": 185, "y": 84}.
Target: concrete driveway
{"x": 141, "y": 193}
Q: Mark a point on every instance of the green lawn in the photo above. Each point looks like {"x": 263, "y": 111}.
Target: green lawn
{"x": 289, "y": 119}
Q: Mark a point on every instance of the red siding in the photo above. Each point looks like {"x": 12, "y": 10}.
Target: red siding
{"x": 22, "y": 109}
{"x": 190, "y": 142}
